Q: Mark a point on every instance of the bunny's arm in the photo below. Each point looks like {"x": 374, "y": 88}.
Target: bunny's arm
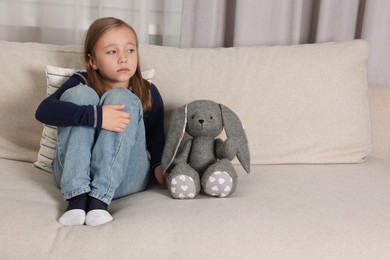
{"x": 225, "y": 149}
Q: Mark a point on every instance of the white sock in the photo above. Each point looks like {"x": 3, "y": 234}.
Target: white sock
{"x": 98, "y": 217}
{"x": 73, "y": 217}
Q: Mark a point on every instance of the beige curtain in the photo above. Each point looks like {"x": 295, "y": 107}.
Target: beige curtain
{"x": 226, "y": 23}
{"x": 65, "y": 22}
{"x": 210, "y": 23}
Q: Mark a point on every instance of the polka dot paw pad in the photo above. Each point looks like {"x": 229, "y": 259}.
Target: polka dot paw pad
{"x": 182, "y": 187}
{"x": 219, "y": 184}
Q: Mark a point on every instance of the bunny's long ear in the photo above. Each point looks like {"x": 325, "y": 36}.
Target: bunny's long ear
{"x": 234, "y": 128}
{"x": 176, "y": 130}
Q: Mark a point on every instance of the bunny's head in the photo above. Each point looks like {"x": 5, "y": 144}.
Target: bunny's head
{"x": 204, "y": 118}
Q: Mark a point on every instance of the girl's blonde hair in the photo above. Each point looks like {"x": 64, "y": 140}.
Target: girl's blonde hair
{"x": 140, "y": 87}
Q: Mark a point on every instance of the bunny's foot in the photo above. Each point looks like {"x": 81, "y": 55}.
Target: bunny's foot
{"x": 220, "y": 179}
{"x": 219, "y": 184}
{"x": 182, "y": 187}
{"x": 183, "y": 182}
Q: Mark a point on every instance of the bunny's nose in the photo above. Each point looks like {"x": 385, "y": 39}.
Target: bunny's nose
{"x": 201, "y": 121}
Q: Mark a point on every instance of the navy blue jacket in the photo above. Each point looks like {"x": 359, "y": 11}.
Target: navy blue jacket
{"x": 53, "y": 111}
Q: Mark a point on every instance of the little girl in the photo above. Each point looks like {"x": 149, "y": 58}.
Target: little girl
{"x": 110, "y": 126}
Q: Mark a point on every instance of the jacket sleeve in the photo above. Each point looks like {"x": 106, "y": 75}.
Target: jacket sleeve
{"x": 56, "y": 112}
{"x": 155, "y": 137}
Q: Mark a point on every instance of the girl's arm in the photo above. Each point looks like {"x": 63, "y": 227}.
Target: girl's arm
{"x": 53, "y": 111}
{"x": 154, "y": 124}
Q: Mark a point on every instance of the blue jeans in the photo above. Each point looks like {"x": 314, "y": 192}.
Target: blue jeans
{"x": 106, "y": 165}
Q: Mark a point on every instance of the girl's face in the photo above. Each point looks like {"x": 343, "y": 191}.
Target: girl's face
{"x": 115, "y": 57}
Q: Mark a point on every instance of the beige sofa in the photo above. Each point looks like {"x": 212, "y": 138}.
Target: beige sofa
{"x": 319, "y": 186}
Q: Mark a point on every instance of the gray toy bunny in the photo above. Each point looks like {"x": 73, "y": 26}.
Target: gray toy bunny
{"x": 204, "y": 160}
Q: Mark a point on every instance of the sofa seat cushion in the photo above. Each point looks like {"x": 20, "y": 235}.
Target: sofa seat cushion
{"x": 300, "y": 211}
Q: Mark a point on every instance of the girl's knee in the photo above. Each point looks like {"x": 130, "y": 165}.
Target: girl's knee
{"x": 81, "y": 95}
{"x": 121, "y": 96}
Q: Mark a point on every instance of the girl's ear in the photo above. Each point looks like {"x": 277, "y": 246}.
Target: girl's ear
{"x": 91, "y": 62}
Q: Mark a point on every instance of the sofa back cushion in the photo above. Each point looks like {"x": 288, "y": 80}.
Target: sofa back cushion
{"x": 23, "y": 87}
{"x": 299, "y": 104}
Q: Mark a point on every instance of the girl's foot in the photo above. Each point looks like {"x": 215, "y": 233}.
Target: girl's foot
{"x": 97, "y": 213}
{"x": 73, "y": 217}
{"x": 75, "y": 214}
{"x": 98, "y": 217}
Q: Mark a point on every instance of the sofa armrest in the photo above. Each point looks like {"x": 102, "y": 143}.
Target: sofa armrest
{"x": 379, "y": 102}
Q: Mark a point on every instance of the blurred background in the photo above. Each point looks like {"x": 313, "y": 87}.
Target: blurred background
{"x": 210, "y": 23}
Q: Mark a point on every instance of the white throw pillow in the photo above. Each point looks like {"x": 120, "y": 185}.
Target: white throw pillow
{"x": 56, "y": 76}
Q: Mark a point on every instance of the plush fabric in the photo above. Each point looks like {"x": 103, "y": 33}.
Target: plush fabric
{"x": 55, "y": 77}
{"x": 204, "y": 155}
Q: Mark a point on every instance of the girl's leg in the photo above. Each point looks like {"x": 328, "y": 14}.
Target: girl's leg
{"x": 138, "y": 170}
{"x": 119, "y": 160}
{"x": 71, "y": 165}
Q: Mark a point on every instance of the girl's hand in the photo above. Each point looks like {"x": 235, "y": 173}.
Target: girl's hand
{"x": 159, "y": 176}
{"x": 114, "y": 119}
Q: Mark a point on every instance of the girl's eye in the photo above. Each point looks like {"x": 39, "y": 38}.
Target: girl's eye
{"x": 111, "y": 52}
{"x": 130, "y": 50}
